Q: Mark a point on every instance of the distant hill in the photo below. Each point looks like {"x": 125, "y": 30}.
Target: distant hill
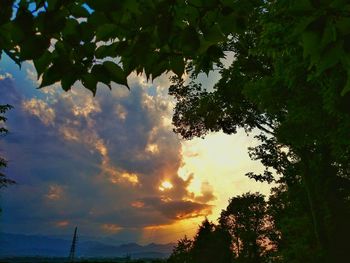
{"x": 33, "y": 245}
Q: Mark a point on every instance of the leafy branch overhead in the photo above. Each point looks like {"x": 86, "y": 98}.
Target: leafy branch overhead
{"x": 71, "y": 40}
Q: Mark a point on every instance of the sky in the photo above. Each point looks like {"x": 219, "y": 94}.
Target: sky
{"x": 111, "y": 164}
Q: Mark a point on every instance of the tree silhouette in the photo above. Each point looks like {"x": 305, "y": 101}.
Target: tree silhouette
{"x": 295, "y": 239}
{"x": 211, "y": 244}
{"x": 4, "y": 181}
{"x": 250, "y": 226}
{"x": 182, "y": 252}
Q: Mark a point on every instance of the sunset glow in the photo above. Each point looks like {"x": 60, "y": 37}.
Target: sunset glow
{"x": 166, "y": 185}
{"x": 112, "y": 166}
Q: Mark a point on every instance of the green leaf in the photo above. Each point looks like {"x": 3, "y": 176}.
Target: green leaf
{"x": 52, "y": 4}
{"x": 42, "y": 63}
{"x": 106, "y": 51}
{"x": 346, "y": 88}
{"x": 189, "y": 40}
{"x": 159, "y": 69}
{"x": 70, "y": 32}
{"x": 67, "y": 81}
{"x": 86, "y": 31}
{"x": 51, "y": 23}
{"x": 302, "y": 25}
{"x": 12, "y": 32}
{"x": 87, "y": 50}
{"x": 333, "y": 55}
{"x": 97, "y": 18}
{"x": 343, "y": 25}
{"x": 34, "y": 47}
{"x": 228, "y": 24}
{"x": 104, "y": 5}
{"x": 106, "y": 32}
{"x": 310, "y": 43}
{"x": 14, "y": 57}
{"x": 132, "y": 6}
{"x": 5, "y": 13}
{"x": 215, "y": 53}
{"x": 301, "y": 6}
{"x": 329, "y": 35}
{"x": 177, "y": 65}
{"x": 116, "y": 72}
{"x": 101, "y": 74}
{"x": 214, "y": 35}
{"x": 51, "y": 76}
{"x": 79, "y": 11}
{"x": 90, "y": 82}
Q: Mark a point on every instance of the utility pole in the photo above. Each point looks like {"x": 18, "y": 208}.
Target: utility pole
{"x": 72, "y": 248}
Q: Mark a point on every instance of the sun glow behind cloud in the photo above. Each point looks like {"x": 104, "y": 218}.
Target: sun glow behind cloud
{"x": 166, "y": 185}
{"x": 114, "y": 167}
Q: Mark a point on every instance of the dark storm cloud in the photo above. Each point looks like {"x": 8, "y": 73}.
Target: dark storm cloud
{"x": 93, "y": 162}
{"x": 178, "y": 209}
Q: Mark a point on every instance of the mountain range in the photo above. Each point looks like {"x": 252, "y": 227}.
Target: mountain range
{"x": 34, "y": 245}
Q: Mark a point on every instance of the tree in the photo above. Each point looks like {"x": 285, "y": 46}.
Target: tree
{"x": 70, "y": 40}
{"x": 250, "y": 226}
{"x": 182, "y": 251}
{"x": 211, "y": 244}
{"x": 295, "y": 240}
{"x": 73, "y": 40}
{"x": 298, "y": 106}
{"x": 4, "y": 181}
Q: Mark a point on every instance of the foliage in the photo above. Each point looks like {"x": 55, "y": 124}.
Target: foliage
{"x": 71, "y": 40}
{"x": 104, "y": 41}
{"x": 246, "y": 233}
{"x": 295, "y": 241}
{"x": 277, "y": 86}
{"x": 211, "y": 244}
{"x": 4, "y": 181}
{"x": 182, "y": 251}
{"x": 250, "y": 226}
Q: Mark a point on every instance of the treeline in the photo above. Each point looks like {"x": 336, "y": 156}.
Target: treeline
{"x": 255, "y": 230}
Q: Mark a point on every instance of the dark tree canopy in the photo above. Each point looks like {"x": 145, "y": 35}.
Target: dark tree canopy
{"x": 247, "y": 220}
{"x": 182, "y": 252}
{"x": 72, "y": 40}
{"x": 211, "y": 244}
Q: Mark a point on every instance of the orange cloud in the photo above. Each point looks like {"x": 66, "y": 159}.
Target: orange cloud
{"x": 40, "y": 109}
{"x": 137, "y": 204}
{"x": 55, "y": 192}
{"x": 111, "y": 228}
{"x": 63, "y": 223}
{"x": 156, "y": 227}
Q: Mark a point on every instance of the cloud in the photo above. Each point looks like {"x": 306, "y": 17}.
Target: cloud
{"x": 6, "y": 75}
{"x": 178, "y": 209}
{"x": 207, "y": 193}
{"x": 55, "y": 192}
{"x": 41, "y": 110}
{"x": 97, "y": 162}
